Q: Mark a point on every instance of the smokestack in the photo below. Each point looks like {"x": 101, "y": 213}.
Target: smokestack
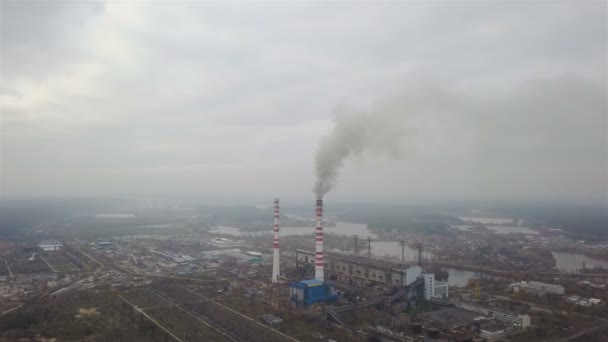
{"x": 275, "y": 259}
{"x": 319, "y": 261}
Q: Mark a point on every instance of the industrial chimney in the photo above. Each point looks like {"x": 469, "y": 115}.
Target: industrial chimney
{"x": 319, "y": 262}
{"x": 275, "y": 260}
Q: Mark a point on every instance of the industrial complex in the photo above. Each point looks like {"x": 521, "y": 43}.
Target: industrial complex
{"x": 272, "y": 286}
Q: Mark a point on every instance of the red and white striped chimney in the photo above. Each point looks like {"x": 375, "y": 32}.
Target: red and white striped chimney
{"x": 275, "y": 260}
{"x": 319, "y": 261}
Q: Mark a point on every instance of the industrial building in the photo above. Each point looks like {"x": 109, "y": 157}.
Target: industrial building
{"x": 358, "y": 270}
{"x": 537, "y": 287}
{"x": 50, "y": 245}
{"x": 451, "y": 318}
{"x": 508, "y": 317}
{"x": 434, "y": 289}
{"x": 307, "y": 292}
{"x": 249, "y": 257}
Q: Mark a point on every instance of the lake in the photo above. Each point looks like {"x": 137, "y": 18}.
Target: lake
{"x": 572, "y": 262}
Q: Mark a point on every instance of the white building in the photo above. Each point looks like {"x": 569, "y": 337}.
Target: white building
{"x": 434, "y": 289}
{"x": 537, "y": 287}
{"x": 522, "y": 320}
{"x": 50, "y": 245}
{"x": 509, "y": 317}
{"x": 491, "y": 334}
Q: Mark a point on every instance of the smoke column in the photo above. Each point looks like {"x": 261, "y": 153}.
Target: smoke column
{"x": 378, "y": 131}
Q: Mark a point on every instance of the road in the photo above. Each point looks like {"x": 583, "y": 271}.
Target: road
{"x": 246, "y": 317}
{"x": 90, "y": 257}
{"x": 9, "y": 310}
{"x": 603, "y": 325}
{"x": 49, "y": 265}
{"x": 213, "y": 327}
{"x": 151, "y": 319}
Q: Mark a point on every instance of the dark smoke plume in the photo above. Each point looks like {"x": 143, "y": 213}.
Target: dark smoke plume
{"x": 356, "y": 132}
{"x": 381, "y": 130}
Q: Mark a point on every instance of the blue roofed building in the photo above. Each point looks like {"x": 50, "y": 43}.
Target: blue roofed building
{"x": 307, "y": 292}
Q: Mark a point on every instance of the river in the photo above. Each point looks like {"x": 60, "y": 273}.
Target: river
{"x": 383, "y": 249}
{"x": 501, "y": 229}
{"x": 341, "y": 228}
{"x": 572, "y": 262}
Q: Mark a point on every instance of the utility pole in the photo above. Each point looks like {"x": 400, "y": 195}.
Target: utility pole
{"x": 369, "y": 247}
{"x": 420, "y": 254}
{"x": 356, "y": 244}
{"x": 402, "y": 261}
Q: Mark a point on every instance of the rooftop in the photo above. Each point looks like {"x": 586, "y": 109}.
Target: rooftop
{"x": 312, "y": 282}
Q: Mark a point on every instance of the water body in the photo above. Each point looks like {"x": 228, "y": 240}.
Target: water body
{"x": 501, "y": 229}
{"x": 225, "y": 230}
{"x": 572, "y": 262}
{"x": 460, "y": 278}
{"x": 486, "y": 220}
{"x": 341, "y": 228}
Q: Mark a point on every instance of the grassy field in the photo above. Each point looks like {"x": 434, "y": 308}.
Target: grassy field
{"x": 90, "y": 316}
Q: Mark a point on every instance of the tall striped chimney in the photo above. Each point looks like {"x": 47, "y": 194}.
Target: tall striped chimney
{"x": 275, "y": 260}
{"x": 319, "y": 262}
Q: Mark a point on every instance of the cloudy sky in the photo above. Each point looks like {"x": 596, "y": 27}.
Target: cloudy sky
{"x": 500, "y": 100}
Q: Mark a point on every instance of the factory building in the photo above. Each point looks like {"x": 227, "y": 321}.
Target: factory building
{"x": 249, "y": 257}
{"x": 354, "y": 269}
{"x": 433, "y": 288}
{"x": 50, "y": 245}
{"x": 537, "y": 287}
{"x": 307, "y": 292}
{"x": 504, "y": 316}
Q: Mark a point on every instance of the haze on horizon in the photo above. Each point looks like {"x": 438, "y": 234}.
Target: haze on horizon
{"x": 502, "y": 100}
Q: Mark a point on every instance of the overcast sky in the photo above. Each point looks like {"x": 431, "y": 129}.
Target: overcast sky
{"x": 503, "y": 100}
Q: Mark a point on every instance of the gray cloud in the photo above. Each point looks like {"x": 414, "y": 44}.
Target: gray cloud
{"x": 217, "y": 98}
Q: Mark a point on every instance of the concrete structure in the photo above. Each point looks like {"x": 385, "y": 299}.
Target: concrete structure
{"x": 583, "y": 301}
{"x": 235, "y": 254}
{"x": 434, "y": 289}
{"x": 319, "y": 260}
{"x": 508, "y": 317}
{"x": 450, "y": 318}
{"x": 537, "y": 287}
{"x": 359, "y": 270}
{"x": 491, "y": 333}
{"x": 224, "y": 242}
{"x": 270, "y": 319}
{"x": 504, "y": 316}
{"x": 275, "y": 258}
{"x": 311, "y": 291}
{"x": 50, "y": 245}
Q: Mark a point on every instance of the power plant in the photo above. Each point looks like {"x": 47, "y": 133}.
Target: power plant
{"x": 275, "y": 259}
{"x": 357, "y": 271}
